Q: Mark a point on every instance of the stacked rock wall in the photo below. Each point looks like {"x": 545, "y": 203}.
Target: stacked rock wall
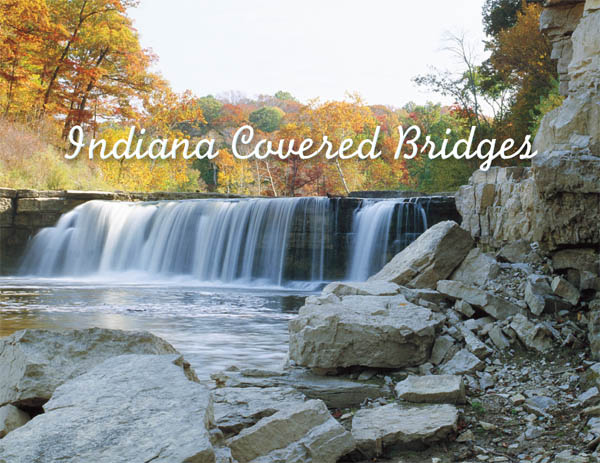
{"x": 557, "y": 201}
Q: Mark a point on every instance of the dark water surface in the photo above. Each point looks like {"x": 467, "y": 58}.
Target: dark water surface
{"x": 213, "y": 327}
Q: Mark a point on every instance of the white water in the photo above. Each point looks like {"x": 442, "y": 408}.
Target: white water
{"x": 372, "y": 233}
{"x": 273, "y": 243}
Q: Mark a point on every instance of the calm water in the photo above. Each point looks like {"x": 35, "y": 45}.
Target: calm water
{"x": 213, "y": 327}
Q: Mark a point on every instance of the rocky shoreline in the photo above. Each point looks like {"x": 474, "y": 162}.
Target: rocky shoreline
{"x": 447, "y": 354}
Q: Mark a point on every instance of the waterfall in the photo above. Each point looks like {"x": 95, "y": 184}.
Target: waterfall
{"x": 281, "y": 242}
{"x": 377, "y": 237}
{"x": 211, "y": 240}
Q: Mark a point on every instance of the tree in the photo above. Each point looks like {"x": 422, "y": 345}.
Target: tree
{"x": 267, "y": 119}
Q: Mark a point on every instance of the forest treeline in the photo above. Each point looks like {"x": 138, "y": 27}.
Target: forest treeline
{"x": 80, "y": 62}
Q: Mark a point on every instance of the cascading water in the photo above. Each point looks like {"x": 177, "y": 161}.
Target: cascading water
{"x": 300, "y": 242}
{"x": 212, "y": 240}
{"x": 377, "y": 236}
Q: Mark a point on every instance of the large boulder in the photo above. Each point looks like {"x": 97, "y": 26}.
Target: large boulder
{"x": 129, "y": 409}
{"x": 431, "y": 257}
{"x": 381, "y": 332}
{"x": 33, "y": 363}
{"x": 304, "y": 433}
{"x": 402, "y": 427}
{"x": 478, "y": 268}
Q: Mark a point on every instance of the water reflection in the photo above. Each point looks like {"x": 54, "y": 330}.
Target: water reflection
{"x": 214, "y": 328}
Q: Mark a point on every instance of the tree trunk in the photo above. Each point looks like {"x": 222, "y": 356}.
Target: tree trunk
{"x": 341, "y": 172}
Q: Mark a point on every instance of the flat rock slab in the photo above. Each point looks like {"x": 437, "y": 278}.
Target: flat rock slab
{"x": 303, "y": 433}
{"x": 448, "y": 389}
{"x": 402, "y": 427}
{"x": 335, "y": 391}
{"x": 366, "y": 288}
{"x": 33, "y": 363}
{"x": 237, "y": 408}
{"x": 368, "y": 331}
{"x": 463, "y": 362}
{"x": 431, "y": 257}
{"x": 129, "y": 409}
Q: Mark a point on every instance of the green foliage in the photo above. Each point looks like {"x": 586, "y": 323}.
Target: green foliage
{"x": 478, "y": 407}
{"x": 547, "y": 103}
{"x": 284, "y": 96}
{"x": 499, "y": 15}
{"x": 211, "y": 108}
{"x": 267, "y": 119}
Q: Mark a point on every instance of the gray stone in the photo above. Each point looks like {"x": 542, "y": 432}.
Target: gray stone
{"x": 589, "y": 397}
{"x": 11, "y": 418}
{"x": 534, "y": 336}
{"x": 498, "y": 338}
{"x": 441, "y": 347}
{"x": 430, "y": 258}
{"x": 362, "y": 331}
{"x": 566, "y": 290}
{"x": 537, "y": 292}
{"x": 495, "y": 306}
{"x": 402, "y": 427}
{"x": 474, "y": 344}
{"x": 477, "y": 269}
{"x": 131, "y": 408}
{"x": 464, "y": 308}
{"x": 366, "y": 288}
{"x": 305, "y": 432}
{"x": 236, "y": 408}
{"x": 539, "y": 405}
{"x": 580, "y": 259}
{"x": 589, "y": 280}
{"x": 516, "y": 251}
{"x": 432, "y": 389}
{"x": 462, "y": 362}
{"x": 336, "y": 392}
{"x": 594, "y": 332}
{"x": 34, "y": 362}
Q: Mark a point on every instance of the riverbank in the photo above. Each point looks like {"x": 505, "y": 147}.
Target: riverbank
{"x": 447, "y": 354}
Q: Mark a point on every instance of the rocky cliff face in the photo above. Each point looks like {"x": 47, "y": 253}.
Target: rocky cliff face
{"x": 557, "y": 200}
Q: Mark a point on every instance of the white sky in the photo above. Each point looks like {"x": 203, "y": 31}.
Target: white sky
{"x": 311, "y": 48}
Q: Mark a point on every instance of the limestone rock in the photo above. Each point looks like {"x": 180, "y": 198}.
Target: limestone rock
{"x": 35, "y": 362}
{"x": 534, "y": 336}
{"x": 477, "y": 268}
{"x": 432, "y": 257}
{"x": 464, "y": 308}
{"x": 498, "y": 338}
{"x": 474, "y": 344}
{"x": 440, "y": 349}
{"x": 336, "y": 392}
{"x": 432, "y": 389}
{"x": 402, "y": 427}
{"x": 303, "y": 433}
{"x": 517, "y": 251}
{"x": 236, "y": 408}
{"x": 581, "y": 259}
{"x": 362, "y": 331}
{"x": 538, "y": 295}
{"x": 495, "y": 306}
{"x": 594, "y": 334}
{"x": 11, "y": 418}
{"x": 131, "y": 408}
{"x": 462, "y": 362}
{"x": 566, "y": 290}
{"x": 367, "y": 288}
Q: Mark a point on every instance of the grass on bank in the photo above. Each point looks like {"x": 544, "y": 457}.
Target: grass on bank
{"x": 29, "y": 160}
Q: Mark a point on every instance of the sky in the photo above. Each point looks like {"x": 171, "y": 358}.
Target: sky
{"x": 311, "y": 48}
